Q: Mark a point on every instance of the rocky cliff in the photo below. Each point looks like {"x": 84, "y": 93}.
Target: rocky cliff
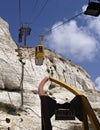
{"x": 28, "y": 117}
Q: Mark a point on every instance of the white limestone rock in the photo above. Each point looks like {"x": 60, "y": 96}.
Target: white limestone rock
{"x": 29, "y": 118}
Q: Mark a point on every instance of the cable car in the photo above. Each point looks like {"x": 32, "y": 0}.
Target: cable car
{"x": 39, "y": 55}
{"x": 39, "y": 52}
{"x": 93, "y": 9}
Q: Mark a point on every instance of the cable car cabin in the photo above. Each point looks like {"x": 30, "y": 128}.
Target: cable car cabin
{"x": 39, "y": 55}
{"x": 93, "y": 9}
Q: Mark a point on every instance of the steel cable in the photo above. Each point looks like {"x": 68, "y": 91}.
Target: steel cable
{"x": 20, "y": 17}
{"x": 41, "y": 10}
{"x": 68, "y": 20}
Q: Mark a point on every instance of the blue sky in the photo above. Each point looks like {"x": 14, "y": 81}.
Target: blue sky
{"x": 76, "y": 40}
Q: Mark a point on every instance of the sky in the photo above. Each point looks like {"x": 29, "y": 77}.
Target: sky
{"x": 76, "y": 39}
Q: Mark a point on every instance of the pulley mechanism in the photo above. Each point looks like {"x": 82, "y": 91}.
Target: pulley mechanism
{"x": 24, "y": 31}
{"x": 93, "y": 9}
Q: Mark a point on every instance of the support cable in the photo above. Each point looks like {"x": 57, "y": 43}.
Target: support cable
{"x": 20, "y": 13}
{"x": 41, "y": 10}
{"x": 68, "y": 20}
{"x": 33, "y": 9}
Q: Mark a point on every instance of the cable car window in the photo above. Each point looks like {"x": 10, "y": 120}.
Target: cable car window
{"x": 40, "y": 49}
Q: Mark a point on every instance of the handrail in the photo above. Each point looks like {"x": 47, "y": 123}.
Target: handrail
{"x": 70, "y": 88}
{"x": 87, "y": 109}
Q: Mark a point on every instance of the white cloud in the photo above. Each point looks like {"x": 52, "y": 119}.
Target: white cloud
{"x": 73, "y": 41}
{"x": 97, "y": 83}
{"x": 94, "y": 25}
{"x": 84, "y": 8}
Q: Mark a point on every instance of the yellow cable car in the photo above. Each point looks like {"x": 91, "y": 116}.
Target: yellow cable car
{"x": 39, "y": 53}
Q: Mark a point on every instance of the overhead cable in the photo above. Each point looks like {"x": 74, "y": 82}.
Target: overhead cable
{"x": 20, "y": 12}
{"x": 41, "y": 10}
{"x": 33, "y": 9}
{"x": 68, "y": 20}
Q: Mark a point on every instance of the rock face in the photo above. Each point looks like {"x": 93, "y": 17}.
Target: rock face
{"x": 28, "y": 117}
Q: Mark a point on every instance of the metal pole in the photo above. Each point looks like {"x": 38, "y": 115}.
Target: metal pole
{"x": 25, "y": 31}
{"x": 21, "y": 84}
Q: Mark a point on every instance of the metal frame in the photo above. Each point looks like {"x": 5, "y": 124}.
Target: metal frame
{"x": 93, "y": 9}
{"x": 87, "y": 109}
